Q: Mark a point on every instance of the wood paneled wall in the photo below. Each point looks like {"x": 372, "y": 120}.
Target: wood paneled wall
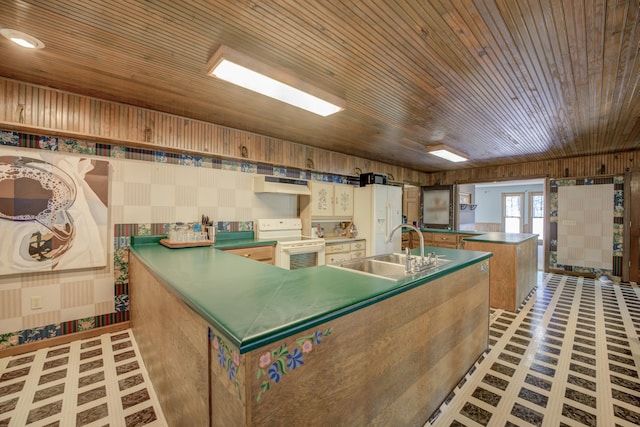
{"x": 575, "y": 167}
{"x": 34, "y": 109}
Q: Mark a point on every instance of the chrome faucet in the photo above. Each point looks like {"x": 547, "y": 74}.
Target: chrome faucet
{"x": 421, "y": 264}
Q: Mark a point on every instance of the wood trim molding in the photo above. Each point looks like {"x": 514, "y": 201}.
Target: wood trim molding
{"x": 64, "y": 339}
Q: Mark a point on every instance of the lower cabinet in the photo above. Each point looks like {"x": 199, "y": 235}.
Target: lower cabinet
{"x": 261, "y": 253}
{"x": 439, "y": 240}
{"x": 344, "y": 251}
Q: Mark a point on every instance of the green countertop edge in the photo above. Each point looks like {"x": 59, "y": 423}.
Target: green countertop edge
{"x": 276, "y": 333}
{"x": 502, "y": 238}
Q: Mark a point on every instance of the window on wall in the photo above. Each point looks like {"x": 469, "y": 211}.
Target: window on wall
{"x": 512, "y": 212}
{"x": 536, "y": 213}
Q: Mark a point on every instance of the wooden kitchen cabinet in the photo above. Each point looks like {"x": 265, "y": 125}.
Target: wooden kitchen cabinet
{"x": 450, "y": 240}
{"x": 338, "y": 252}
{"x": 261, "y": 253}
{"x": 331, "y": 200}
{"x": 444, "y": 240}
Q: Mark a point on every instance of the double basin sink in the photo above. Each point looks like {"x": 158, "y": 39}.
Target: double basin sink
{"x": 391, "y": 266}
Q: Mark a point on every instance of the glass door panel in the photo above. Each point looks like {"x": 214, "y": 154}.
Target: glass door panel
{"x": 512, "y": 209}
{"x": 536, "y": 206}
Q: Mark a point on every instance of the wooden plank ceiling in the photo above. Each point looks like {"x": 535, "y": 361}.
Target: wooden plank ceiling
{"x": 500, "y": 80}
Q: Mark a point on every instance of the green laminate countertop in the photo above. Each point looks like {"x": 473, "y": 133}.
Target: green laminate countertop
{"x": 503, "y": 238}
{"x": 254, "y": 304}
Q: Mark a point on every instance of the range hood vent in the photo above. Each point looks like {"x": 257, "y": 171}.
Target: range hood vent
{"x": 274, "y": 184}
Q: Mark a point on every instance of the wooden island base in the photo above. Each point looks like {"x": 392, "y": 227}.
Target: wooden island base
{"x": 390, "y": 363}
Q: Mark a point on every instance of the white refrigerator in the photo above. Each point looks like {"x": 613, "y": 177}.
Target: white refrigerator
{"x": 376, "y": 210}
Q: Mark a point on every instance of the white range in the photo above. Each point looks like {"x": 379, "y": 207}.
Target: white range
{"x": 293, "y": 250}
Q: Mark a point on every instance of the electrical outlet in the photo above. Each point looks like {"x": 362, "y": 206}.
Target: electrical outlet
{"x": 36, "y": 303}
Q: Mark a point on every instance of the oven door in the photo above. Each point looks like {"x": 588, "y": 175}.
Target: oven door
{"x": 296, "y": 255}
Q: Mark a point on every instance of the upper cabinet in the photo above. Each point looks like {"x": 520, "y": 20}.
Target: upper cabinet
{"x": 331, "y": 200}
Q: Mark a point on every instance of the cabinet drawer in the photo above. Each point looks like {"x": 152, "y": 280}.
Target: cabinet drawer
{"x": 359, "y": 245}
{"x": 337, "y": 247}
{"x": 337, "y": 258}
{"x": 358, "y": 254}
{"x": 445, "y": 238}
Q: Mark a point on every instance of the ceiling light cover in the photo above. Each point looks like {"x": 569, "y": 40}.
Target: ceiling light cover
{"x": 242, "y": 70}
{"x": 21, "y": 39}
{"x": 446, "y": 153}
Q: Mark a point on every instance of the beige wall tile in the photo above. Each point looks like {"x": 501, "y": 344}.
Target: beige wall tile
{"x": 105, "y": 307}
{"x": 79, "y": 312}
{"x": 41, "y": 319}
{"x": 10, "y": 303}
{"x": 74, "y": 294}
{"x": 8, "y": 326}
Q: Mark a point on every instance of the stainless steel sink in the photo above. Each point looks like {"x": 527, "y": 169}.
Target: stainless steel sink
{"x": 394, "y": 258}
{"x": 390, "y": 266}
{"x": 377, "y": 268}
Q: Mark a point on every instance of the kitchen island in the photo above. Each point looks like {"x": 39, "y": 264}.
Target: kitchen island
{"x": 514, "y": 266}
{"x": 230, "y": 341}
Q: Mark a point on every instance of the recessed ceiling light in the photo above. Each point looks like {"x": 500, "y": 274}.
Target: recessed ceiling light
{"x": 22, "y": 39}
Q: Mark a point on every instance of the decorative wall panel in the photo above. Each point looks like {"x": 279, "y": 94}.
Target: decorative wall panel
{"x": 53, "y": 212}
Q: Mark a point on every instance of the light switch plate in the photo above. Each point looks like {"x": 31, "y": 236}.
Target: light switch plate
{"x": 36, "y": 302}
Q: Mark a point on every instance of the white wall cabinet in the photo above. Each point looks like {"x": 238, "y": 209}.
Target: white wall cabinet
{"x": 331, "y": 200}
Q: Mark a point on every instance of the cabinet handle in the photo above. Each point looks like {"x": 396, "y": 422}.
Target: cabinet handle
{"x": 247, "y": 255}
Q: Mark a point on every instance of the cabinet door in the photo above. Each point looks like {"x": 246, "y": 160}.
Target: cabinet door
{"x": 322, "y": 199}
{"x": 343, "y": 200}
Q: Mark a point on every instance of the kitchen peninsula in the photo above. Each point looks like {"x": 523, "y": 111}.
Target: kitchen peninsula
{"x": 229, "y": 341}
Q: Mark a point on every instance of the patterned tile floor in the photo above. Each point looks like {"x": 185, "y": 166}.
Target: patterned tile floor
{"x": 569, "y": 357}
{"x": 94, "y": 382}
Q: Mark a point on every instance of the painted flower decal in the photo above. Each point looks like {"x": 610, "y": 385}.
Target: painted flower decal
{"x": 294, "y": 359}
{"x": 228, "y": 358}
{"x": 265, "y": 359}
{"x": 274, "y": 373}
{"x": 280, "y": 359}
{"x": 307, "y": 346}
{"x": 232, "y": 372}
{"x": 221, "y": 357}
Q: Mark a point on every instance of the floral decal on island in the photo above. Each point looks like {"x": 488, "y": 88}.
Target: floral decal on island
{"x": 229, "y": 360}
{"x": 274, "y": 363}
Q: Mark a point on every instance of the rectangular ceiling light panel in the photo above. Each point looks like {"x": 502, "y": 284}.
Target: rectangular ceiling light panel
{"x": 446, "y": 153}
{"x": 240, "y": 69}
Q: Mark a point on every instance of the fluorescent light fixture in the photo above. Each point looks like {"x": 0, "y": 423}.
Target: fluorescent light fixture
{"x": 21, "y": 39}
{"x": 242, "y": 70}
{"x": 446, "y": 153}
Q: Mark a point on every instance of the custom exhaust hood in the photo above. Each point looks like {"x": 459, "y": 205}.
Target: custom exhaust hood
{"x": 273, "y": 184}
